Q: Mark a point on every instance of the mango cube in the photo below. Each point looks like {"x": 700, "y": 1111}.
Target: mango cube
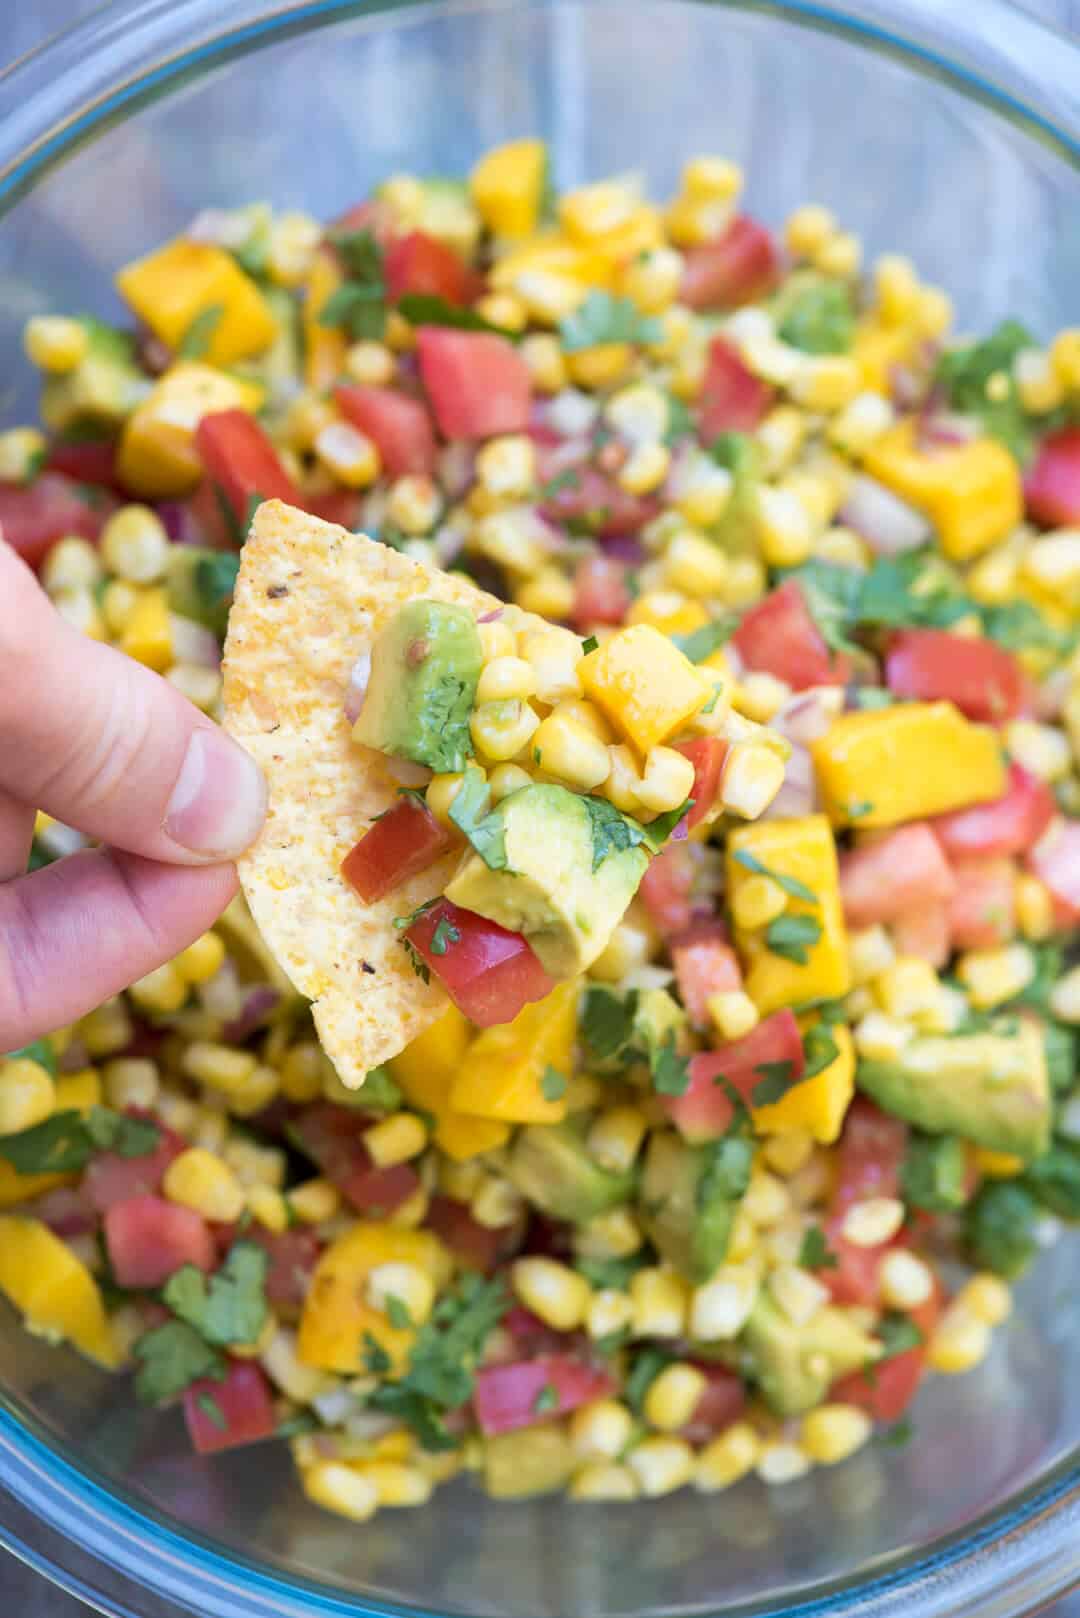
{"x": 158, "y": 457}
{"x": 971, "y": 492}
{"x": 816, "y": 1106}
{"x": 426, "y": 1070}
{"x": 502, "y": 1073}
{"x": 171, "y": 288}
{"x": 507, "y": 186}
{"x": 147, "y": 635}
{"x": 55, "y": 1292}
{"x": 337, "y": 1317}
{"x": 644, "y": 685}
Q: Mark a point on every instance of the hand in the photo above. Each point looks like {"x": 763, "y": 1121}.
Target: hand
{"x": 104, "y": 745}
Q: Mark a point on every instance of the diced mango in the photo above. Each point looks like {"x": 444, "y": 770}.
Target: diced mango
{"x": 554, "y": 254}
{"x": 55, "y": 1292}
{"x": 16, "y": 1188}
{"x": 878, "y": 348}
{"x": 803, "y": 849}
{"x": 337, "y": 1318}
{"x": 888, "y": 765}
{"x": 157, "y": 448}
{"x": 502, "y": 1073}
{"x": 507, "y": 187}
{"x": 171, "y": 288}
{"x": 815, "y": 1106}
{"x": 147, "y": 635}
{"x": 998, "y": 1165}
{"x": 668, "y": 613}
{"x": 644, "y": 684}
{"x": 426, "y": 1070}
{"x": 324, "y": 346}
{"x": 78, "y": 1092}
{"x": 971, "y": 492}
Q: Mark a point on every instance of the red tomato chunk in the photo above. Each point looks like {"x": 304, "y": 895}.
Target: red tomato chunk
{"x": 1055, "y": 860}
{"x": 238, "y": 456}
{"x": 418, "y": 263}
{"x": 402, "y": 843}
{"x": 33, "y": 517}
{"x": 478, "y": 384}
{"x": 705, "y": 1110}
{"x": 331, "y": 1136}
{"x": 982, "y": 911}
{"x": 148, "y": 1240}
{"x": 110, "y": 1178}
{"x": 488, "y": 971}
{"x": 1052, "y": 486}
{"x": 508, "y": 1396}
{"x": 1010, "y": 825}
{"x": 224, "y": 1415}
{"x": 902, "y": 871}
{"x": 708, "y": 755}
{"x": 739, "y": 265}
{"x": 733, "y": 399}
{"x": 399, "y": 427}
{"x": 779, "y": 637}
{"x": 705, "y": 964}
{"x": 985, "y": 682}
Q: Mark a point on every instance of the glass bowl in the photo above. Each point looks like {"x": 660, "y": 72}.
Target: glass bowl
{"x": 951, "y": 133}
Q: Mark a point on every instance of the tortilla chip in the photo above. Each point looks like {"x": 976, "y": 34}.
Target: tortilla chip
{"x": 309, "y": 600}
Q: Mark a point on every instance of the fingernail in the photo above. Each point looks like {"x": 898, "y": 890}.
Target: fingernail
{"x": 219, "y": 801}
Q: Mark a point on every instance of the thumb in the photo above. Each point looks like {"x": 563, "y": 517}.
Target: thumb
{"x": 103, "y": 744}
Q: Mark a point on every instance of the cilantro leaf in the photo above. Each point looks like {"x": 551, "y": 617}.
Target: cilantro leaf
{"x": 381, "y": 1094}
{"x": 965, "y": 372}
{"x": 213, "y": 582}
{"x": 701, "y": 643}
{"x": 547, "y": 1399}
{"x": 40, "y": 856}
{"x": 420, "y": 967}
{"x": 660, "y": 827}
{"x": 815, "y": 1252}
{"x": 397, "y": 1314}
{"x": 1054, "y": 1179}
{"x": 425, "y": 309}
{"x": 471, "y": 815}
{"x": 790, "y": 884}
{"x": 171, "y": 1358}
{"x": 606, "y": 1020}
{"x": 374, "y": 1356}
{"x": 680, "y": 421}
{"x": 612, "y": 1273}
{"x": 444, "y": 935}
{"x": 820, "y": 1049}
{"x": 295, "y": 1426}
{"x": 359, "y": 304}
{"x": 589, "y": 644}
{"x": 670, "y": 1071}
{"x": 603, "y": 318}
{"x": 933, "y": 1172}
{"x": 226, "y": 1308}
{"x": 900, "y": 1433}
{"x": 612, "y": 832}
{"x": 896, "y": 1334}
{"x": 726, "y": 1172}
{"x": 648, "y": 1363}
{"x": 774, "y": 1083}
{"x": 553, "y": 1084}
{"x": 858, "y": 808}
{"x": 200, "y": 334}
{"x": 65, "y": 1143}
{"x": 819, "y": 317}
{"x": 116, "y": 1132}
{"x": 562, "y": 481}
{"x": 793, "y": 937}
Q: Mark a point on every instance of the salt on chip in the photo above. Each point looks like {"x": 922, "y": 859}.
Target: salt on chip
{"x": 310, "y": 598}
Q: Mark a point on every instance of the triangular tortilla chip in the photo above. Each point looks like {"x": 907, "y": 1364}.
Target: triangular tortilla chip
{"x": 309, "y": 599}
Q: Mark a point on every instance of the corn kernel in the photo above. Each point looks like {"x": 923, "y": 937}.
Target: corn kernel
{"x": 603, "y": 1480}
{"x": 396, "y": 1139}
{"x": 501, "y": 729}
{"x": 708, "y": 177}
{"x": 341, "y": 1489}
{"x": 201, "y": 960}
{"x": 609, "y": 1312}
{"x": 601, "y": 1429}
{"x": 661, "y": 1465}
{"x": 553, "y": 1291}
{"x": 287, "y": 1371}
{"x": 118, "y": 603}
{"x": 992, "y": 976}
{"x": 407, "y": 1285}
{"x": 781, "y": 436}
{"x": 808, "y": 229}
{"x": 1034, "y": 907}
{"x": 614, "y": 1234}
{"x": 1037, "y": 382}
{"x": 548, "y": 594}
{"x": 370, "y": 364}
{"x": 543, "y": 356}
{"x": 860, "y": 421}
{"x": 787, "y": 1154}
{"x": 880, "y": 1038}
{"x": 506, "y": 466}
{"x": 71, "y": 563}
{"x": 694, "y": 566}
{"x": 756, "y": 902}
{"x": 54, "y": 343}
{"x": 702, "y": 493}
{"x": 905, "y": 1281}
{"x": 645, "y": 468}
{"x": 659, "y": 1299}
{"x": 302, "y": 1071}
{"x": 908, "y": 989}
{"x": 315, "y": 1201}
{"x": 495, "y": 1204}
{"x": 652, "y": 280}
{"x": 600, "y": 366}
{"x": 826, "y": 382}
{"x": 896, "y": 287}
{"x": 841, "y": 255}
{"x": 441, "y": 792}
{"x": 513, "y": 538}
{"x": 987, "y": 1297}
{"x": 27, "y": 1094}
{"x": 1041, "y": 749}
{"x": 760, "y": 696}
{"x": 1065, "y": 357}
{"x": 781, "y": 1462}
{"x": 693, "y": 221}
{"x": 505, "y": 779}
{"x": 505, "y": 678}
{"x": 746, "y": 581}
{"x": 785, "y": 530}
{"x": 628, "y": 947}
{"x": 959, "y": 1342}
{"x": 870, "y": 953}
{"x": 200, "y": 1181}
{"x": 732, "y": 1013}
{"x": 753, "y": 776}
{"x": 218, "y": 1066}
{"x": 132, "y": 1082}
{"x": 134, "y": 545}
{"x": 347, "y": 454}
{"x": 268, "y": 1208}
{"x": 615, "y": 1138}
{"x": 666, "y": 781}
{"x": 624, "y": 778}
{"x": 832, "y": 1432}
{"x": 162, "y": 991}
{"x": 933, "y": 313}
{"x": 555, "y": 655}
{"x": 568, "y": 751}
{"x": 79, "y": 609}
{"x": 673, "y": 1395}
{"x": 727, "y": 1458}
{"x": 872, "y": 1221}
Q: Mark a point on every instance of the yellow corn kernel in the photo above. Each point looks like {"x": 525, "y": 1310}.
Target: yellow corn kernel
{"x": 987, "y": 1297}
{"x": 396, "y": 1139}
{"x": 78, "y": 1092}
{"x": 544, "y": 359}
{"x": 555, "y": 655}
{"x": 495, "y": 1204}
{"x": 825, "y": 382}
{"x": 992, "y": 976}
{"x": 603, "y": 1480}
{"x": 693, "y": 221}
{"x": 201, "y": 686}
{"x": 896, "y": 289}
{"x": 281, "y": 1363}
{"x": 294, "y": 239}
{"x": 1065, "y": 356}
{"x": 200, "y": 1181}
{"x": 872, "y": 1221}
{"x": 615, "y": 1138}
{"x": 1065, "y": 997}
{"x": 694, "y": 566}
{"x": 553, "y": 1291}
{"x": 615, "y": 1234}
{"x": 71, "y": 564}
{"x": 218, "y": 1066}
{"x": 959, "y": 1342}
{"x": 733, "y": 1013}
{"x": 147, "y": 635}
{"x": 134, "y": 545}
{"x": 27, "y": 1095}
{"x": 268, "y": 1208}
{"x": 746, "y": 581}
{"x": 79, "y": 609}
{"x": 370, "y": 364}
{"x": 1037, "y": 381}
{"x": 702, "y": 495}
{"x": 639, "y": 413}
{"x": 201, "y": 960}
{"x": 808, "y": 229}
{"x": 760, "y": 696}
{"x": 347, "y": 454}
{"x": 659, "y": 1300}
{"x": 787, "y": 1154}
{"x": 397, "y": 1484}
{"x": 106, "y": 1029}
{"x": 506, "y": 466}
{"x": 620, "y": 785}
{"x": 341, "y": 1489}
{"x": 548, "y": 594}
{"x": 905, "y": 1281}
{"x": 504, "y": 310}
{"x": 132, "y": 1082}
{"x": 785, "y": 530}
{"x": 766, "y": 1200}
{"x": 705, "y": 178}
{"x": 162, "y": 990}
{"x": 753, "y": 776}
{"x": 118, "y": 602}
{"x": 501, "y": 729}
{"x": 672, "y": 1396}
{"x": 832, "y": 1432}
{"x": 505, "y": 779}
{"x": 513, "y": 538}
{"x": 645, "y": 468}
{"x": 909, "y": 989}
{"x": 441, "y": 792}
{"x": 413, "y": 503}
{"x": 600, "y": 366}
{"x": 405, "y": 1285}
{"x": 506, "y": 678}
{"x": 727, "y": 1458}
{"x": 314, "y": 1201}
{"x": 666, "y": 781}
{"x": 1041, "y": 749}
{"x": 757, "y": 901}
{"x": 1034, "y": 907}
{"x": 302, "y": 1071}
{"x": 54, "y": 343}
{"x": 870, "y": 953}
{"x": 667, "y": 611}
{"x": 661, "y": 1465}
{"x": 652, "y": 279}
{"x": 568, "y": 751}
{"x": 507, "y": 186}
{"x": 22, "y": 451}
{"x": 609, "y": 1311}
{"x": 841, "y": 255}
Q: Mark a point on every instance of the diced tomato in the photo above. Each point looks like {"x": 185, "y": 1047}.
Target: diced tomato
{"x": 400, "y": 844}
{"x": 741, "y": 264}
{"x": 1055, "y": 860}
{"x": 923, "y": 933}
{"x": 87, "y": 460}
{"x": 420, "y": 263}
{"x": 721, "y": 1403}
{"x": 149, "y": 1239}
{"x": 601, "y": 595}
{"x": 871, "y": 1149}
{"x": 399, "y": 427}
{"x": 982, "y": 911}
{"x": 488, "y": 971}
{"x": 886, "y": 1391}
{"x": 478, "y": 383}
{"x": 984, "y": 681}
{"x": 373, "y": 214}
{"x": 331, "y": 1136}
{"x": 343, "y": 506}
{"x": 238, "y": 456}
{"x": 1010, "y": 825}
{"x": 1052, "y": 485}
{"x": 599, "y": 503}
{"x": 705, "y": 1110}
{"x": 665, "y": 888}
{"x": 293, "y": 1255}
{"x": 854, "y": 1275}
{"x": 110, "y": 1178}
{"x": 778, "y": 636}
{"x": 472, "y": 1244}
{"x": 224, "y": 1415}
{"x": 899, "y": 872}
{"x": 705, "y": 964}
{"x": 708, "y": 755}
{"x": 733, "y": 399}
{"x": 506, "y": 1396}
{"x": 33, "y": 516}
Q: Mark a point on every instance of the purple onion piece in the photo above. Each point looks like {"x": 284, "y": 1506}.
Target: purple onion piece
{"x": 259, "y": 1003}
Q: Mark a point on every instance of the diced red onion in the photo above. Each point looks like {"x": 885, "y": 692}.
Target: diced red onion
{"x": 624, "y": 548}
{"x": 888, "y": 524}
{"x": 806, "y": 717}
{"x": 221, "y": 995}
{"x": 944, "y": 429}
{"x": 180, "y": 523}
{"x": 258, "y": 1004}
{"x": 491, "y": 617}
{"x": 406, "y": 773}
{"x": 66, "y": 1211}
{"x": 798, "y": 794}
{"x": 457, "y": 465}
{"x": 154, "y": 355}
{"x": 221, "y": 227}
{"x": 680, "y": 830}
{"x": 193, "y": 643}
{"x": 907, "y": 387}
{"x": 356, "y": 690}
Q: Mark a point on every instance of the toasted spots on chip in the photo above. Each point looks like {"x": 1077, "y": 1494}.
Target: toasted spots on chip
{"x": 309, "y": 600}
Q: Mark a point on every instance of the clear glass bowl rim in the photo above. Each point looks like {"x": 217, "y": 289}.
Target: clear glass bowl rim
{"x": 55, "y": 1516}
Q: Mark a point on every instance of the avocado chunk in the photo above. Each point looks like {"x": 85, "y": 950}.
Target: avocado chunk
{"x": 551, "y": 1167}
{"x": 103, "y": 389}
{"x": 794, "y": 1366}
{"x": 689, "y": 1197}
{"x": 201, "y": 584}
{"x": 424, "y": 668}
{"x": 934, "y": 1171}
{"x": 552, "y": 888}
{"x": 991, "y": 1088}
{"x": 999, "y": 1228}
{"x": 736, "y": 530}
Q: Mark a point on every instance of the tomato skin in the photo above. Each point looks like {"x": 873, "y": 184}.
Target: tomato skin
{"x": 1010, "y": 824}
{"x": 923, "y": 933}
{"x": 708, "y": 755}
{"x": 472, "y": 1244}
{"x": 91, "y": 460}
{"x": 601, "y": 595}
{"x": 984, "y": 681}
{"x": 149, "y": 1239}
{"x": 1052, "y": 485}
{"x": 293, "y": 1255}
{"x": 110, "y": 1178}
{"x": 1055, "y": 860}
{"x": 722, "y": 1402}
{"x": 398, "y": 426}
{"x": 33, "y": 516}
{"x": 886, "y": 1392}
{"x": 245, "y": 1405}
{"x": 778, "y": 636}
{"x": 871, "y": 1149}
{"x": 401, "y": 844}
{"x": 609, "y": 509}
{"x": 421, "y": 264}
{"x": 902, "y": 871}
{"x": 665, "y": 888}
{"x": 489, "y": 972}
{"x": 982, "y": 911}
{"x": 239, "y": 457}
{"x": 739, "y": 265}
{"x": 331, "y": 1136}
{"x": 733, "y": 399}
{"x": 705, "y": 964}
{"x": 705, "y": 1110}
{"x": 478, "y": 383}
{"x": 506, "y": 1395}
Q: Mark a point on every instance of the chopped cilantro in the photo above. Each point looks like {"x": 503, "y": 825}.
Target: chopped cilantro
{"x": 40, "y": 1051}
{"x": 775, "y": 1082}
{"x": 374, "y": 1356}
{"x": 870, "y": 696}
{"x": 116, "y": 1132}
{"x": 726, "y": 1170}
{"x": 359, "y": 304}
{"x": 226, "y": 1308}
{"x": 965, "y": 373}
{"x": 401, "y": 923}
{"x": 612, "y": 1274}
{"x": 606, "y": 1020}
{"x": 547, "y": 1399}
{"x": 933, "y": 1172}
{"x": 398, "y": 1315}
{"x": 790, "y": 884}
{"x": 296, "y": 1426}
{"x": 897, "y": 1334}
{"x": 670, "y": 1071}
{"x": 648, "y": 1363}
{"x": 612, "y": 832}
{"x": 65, "y": 1143}
{"x": 200, "y": 334}
{"x": 425, "y": 309}
{"x": 701, "y": 643}
{"x": 420, "y": 967}
{"x": 589, "y": 644}
{"x": 171, "y": 1358}
{"x": 569, "y": 479}
{"x": 660, "y": 827}
{"x": 40, "y": 856}
{"x": 471, "y": 815}
{"x": 553, "y": 1084}
{"x": 680, "y": 422}
{"x": 793, "y": 937}
{"x": 900, "y": 1433}
{"x": 1019, "y": 626}
{"x": 1054, "y": 1179}
{"x": 603, "y": 318}
{"x": 820, "y": 1049}
{"x": 212, "y": 1410}
{"x": 815, "y": 1252}
{"x": 1049, "y": 967}
{"x": 819, "y": 317}
{"x": 858, "y": 808}
{"x": 444, "y": 935}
